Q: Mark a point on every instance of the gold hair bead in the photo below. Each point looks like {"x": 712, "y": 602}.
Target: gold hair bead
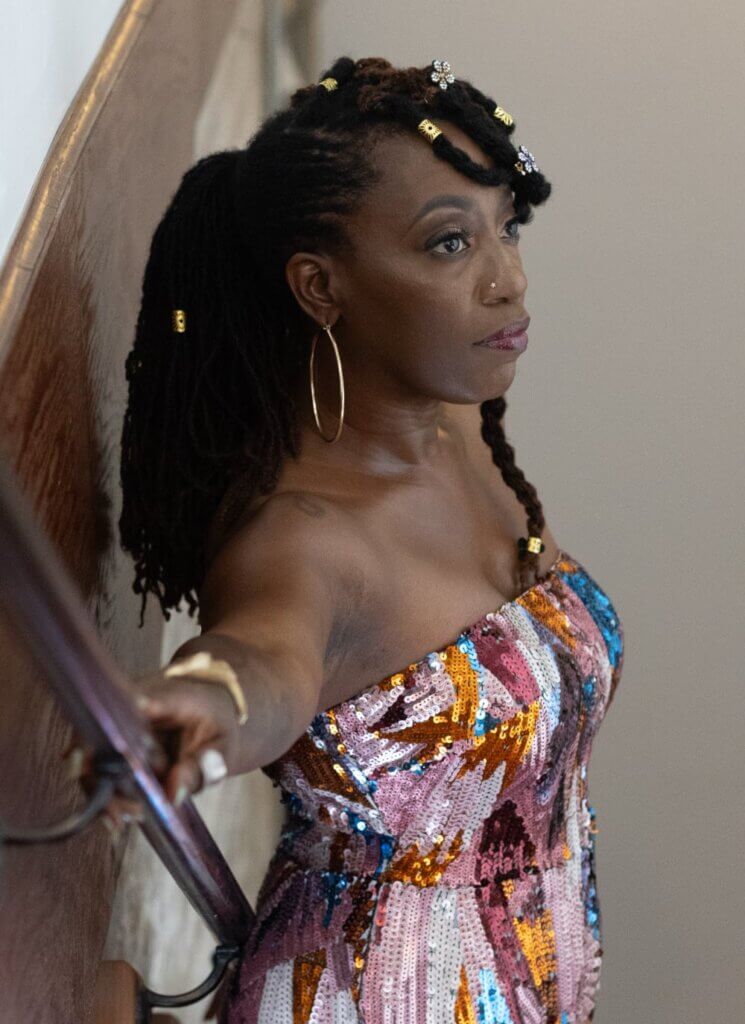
{"x": 501, "y": 114}
{"x": 429, "y": 129}
{"x": 178, "y": 319}
{"x": 329, "y": 83}
{"x": 534, "y": 545}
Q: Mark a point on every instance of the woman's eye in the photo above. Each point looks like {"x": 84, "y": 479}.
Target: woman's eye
{"x": 447, "y": 244}
{"x": 516, "y": 235}
{"x": 446, "y": 240}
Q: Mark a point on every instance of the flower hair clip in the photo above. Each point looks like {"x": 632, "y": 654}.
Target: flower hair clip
{"x": 441, "y": 73}
{"x": 526, "y": 164}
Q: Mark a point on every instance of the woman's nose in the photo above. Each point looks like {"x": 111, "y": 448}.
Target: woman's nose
{"x": 509, "y": 283}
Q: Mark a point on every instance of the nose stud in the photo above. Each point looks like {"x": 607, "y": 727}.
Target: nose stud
{"x": 493, "y": 284}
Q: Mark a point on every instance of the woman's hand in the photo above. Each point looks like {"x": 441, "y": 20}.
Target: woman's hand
{"x": 196, "y": 725}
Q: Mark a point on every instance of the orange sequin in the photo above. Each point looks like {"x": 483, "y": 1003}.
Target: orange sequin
{"x": 507, "y": 743}
{"x": 543, "y": 610}
{"x": 420, "y": 870}
{"x": 538, "y": 944}
{"x": 306, "y": 973}
{"x": 464, "y": 1009}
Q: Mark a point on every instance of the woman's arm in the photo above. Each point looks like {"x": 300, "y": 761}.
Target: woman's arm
{"x": 270, "y": 599}
{"x": 269, "y": 602}
{"x": 279, "y": 695}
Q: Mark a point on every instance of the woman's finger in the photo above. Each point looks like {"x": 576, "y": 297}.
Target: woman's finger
{"x": 212, "y": 765}
{"x": 196, "y": 772}
{"x": 171, "y": 700}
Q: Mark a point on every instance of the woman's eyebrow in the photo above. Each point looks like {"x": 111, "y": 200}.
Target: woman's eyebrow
{"x": 444, "y": 200}
{"x": 450, "y": 199}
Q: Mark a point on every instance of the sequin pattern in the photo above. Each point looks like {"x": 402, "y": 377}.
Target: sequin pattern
{"x": 438, "y": 863}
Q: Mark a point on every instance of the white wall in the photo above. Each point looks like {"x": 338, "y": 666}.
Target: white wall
{"x": 46, "y": 49}
{"x": 626, "y": 413}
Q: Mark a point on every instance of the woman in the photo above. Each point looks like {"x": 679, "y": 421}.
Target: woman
{"x": 311, "y": 387}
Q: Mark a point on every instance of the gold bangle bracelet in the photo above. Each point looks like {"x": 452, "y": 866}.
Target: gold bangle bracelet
{"x": 204, "y": 667}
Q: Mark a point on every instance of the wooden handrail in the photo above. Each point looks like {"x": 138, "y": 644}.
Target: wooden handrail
{"x": 48, "y": 611}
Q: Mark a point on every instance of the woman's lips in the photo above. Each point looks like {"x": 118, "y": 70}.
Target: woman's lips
{"x": 509, "y": 343}
{"x": 512, "y": 338}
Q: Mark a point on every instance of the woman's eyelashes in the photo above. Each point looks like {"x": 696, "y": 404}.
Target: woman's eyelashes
{"x": 464, "y": 234}
{"x": 446, "y": 237}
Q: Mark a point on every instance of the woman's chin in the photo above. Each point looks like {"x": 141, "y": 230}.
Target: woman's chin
{"x": 499, "y": 380}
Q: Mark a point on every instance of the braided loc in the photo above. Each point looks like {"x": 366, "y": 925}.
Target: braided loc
{"x": 211, "y": 414}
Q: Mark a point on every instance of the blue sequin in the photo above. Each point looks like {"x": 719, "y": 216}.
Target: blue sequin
{"x": 600, "y": 608}
{"x": 591, "y": 904}
{"x": 588, "y": 690}
{"x": 484, "y": 722}
{"x": 488, "y": 722}
{"x": 332, "y": 883}
{"x": 491, "y": 1005}
{"x": 385, "y": 853}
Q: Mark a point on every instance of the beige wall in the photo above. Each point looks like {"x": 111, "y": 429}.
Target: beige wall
{"x": 626, "y": 414}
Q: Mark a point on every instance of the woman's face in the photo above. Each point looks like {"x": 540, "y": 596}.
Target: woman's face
{"x": 415, "y": 296}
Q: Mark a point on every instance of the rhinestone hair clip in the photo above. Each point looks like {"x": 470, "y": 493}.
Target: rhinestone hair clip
{"x": 441, "y": 73}
{"x": 526, "y": 164}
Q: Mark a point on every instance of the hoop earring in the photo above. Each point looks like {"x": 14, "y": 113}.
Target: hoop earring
{"x": 327, "y": 329}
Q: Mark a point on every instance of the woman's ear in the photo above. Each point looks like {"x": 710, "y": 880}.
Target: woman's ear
{"x": 310, "y": 276}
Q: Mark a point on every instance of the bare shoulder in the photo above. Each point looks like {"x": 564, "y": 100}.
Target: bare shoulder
{"x": 465, "y": 421}
{"x": 289, "y": 578}
{"x": 289, "y": 534}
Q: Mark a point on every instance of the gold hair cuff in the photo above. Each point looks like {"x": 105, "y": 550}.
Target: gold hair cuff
{"x": 429, "y": 129}
{"x": 534, "y": 545}
{"x": 501, "y": 114}
{"x": 329, "y": 83}
{"x": 211, "y": 670}
{"x": 178, "y": 319}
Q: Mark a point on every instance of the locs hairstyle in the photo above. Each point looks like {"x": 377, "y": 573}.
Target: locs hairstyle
{"x": 211, "y": 410}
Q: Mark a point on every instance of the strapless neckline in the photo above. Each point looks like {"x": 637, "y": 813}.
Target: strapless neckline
{"x": 411, "y": 666}
{"x": 437, "y": 855}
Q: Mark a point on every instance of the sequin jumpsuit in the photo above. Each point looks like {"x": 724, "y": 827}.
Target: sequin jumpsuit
{"x": 439, "y": 860}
